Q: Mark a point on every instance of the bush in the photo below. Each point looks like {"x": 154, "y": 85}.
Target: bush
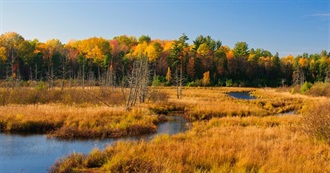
{"x": 195, "y": 83}
{"x": 304, "y": 88}
{"x": 229, "y": 83}
{"x": 320, "y": 89}
{"x": 68, "y": 164}
{"x": 96, "y": 158}
{"x": 316, "y": 121}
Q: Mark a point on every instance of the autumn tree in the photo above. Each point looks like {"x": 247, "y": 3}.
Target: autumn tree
{"x": 206, "y": 78}
{"x": 169, "y": 75}
{"x": 9, "y": 45}
{"x": 191, "y": 68}
{"x": 27, "y": 57}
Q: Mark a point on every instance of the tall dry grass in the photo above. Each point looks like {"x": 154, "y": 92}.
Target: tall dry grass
{"x": 232, "y": 144}
{"x": 65, "y": 121}
{"x": 207, "y": 103}
{"x": 68, "y": 96}
{"x": 316, "y": 120}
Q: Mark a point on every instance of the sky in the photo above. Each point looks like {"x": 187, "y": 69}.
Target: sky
{"x": 283, "y": 26}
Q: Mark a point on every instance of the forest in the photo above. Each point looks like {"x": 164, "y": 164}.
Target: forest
{"x": 98, "y": 61}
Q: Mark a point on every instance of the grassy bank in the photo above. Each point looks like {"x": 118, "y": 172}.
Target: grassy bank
{"x": 206, "y": 103}
{"x": 77, "y": 122}
{"x": 230, "y": 144}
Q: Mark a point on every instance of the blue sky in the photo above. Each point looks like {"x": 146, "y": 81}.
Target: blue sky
{"x": 284, "y": 26}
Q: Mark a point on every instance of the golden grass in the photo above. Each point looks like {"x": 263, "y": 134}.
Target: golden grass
{"x": 232, "y": 144}
{"x": 77, "y": 122}
{"x": 239, "y": 135}
{"x": 206, "y": 103}
{"x": 69, "y": 96}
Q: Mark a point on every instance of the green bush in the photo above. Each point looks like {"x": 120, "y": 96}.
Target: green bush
{"x": 229, "y": 83}
{"x": 304, "y": 88}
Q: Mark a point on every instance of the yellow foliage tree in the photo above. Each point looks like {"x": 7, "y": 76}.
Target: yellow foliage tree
{"x": 151, "y": 52}
{"x": 167, "y": 45}
{"x": 203, "y": 49}
{"x": 169, "y": 74}
{"x": 3, "y": 53}
{"x": 230, "y": 54}
{"x": 303, "y": 62}
{"x": 140, "y": 49}
{"x": 206, "y": 78}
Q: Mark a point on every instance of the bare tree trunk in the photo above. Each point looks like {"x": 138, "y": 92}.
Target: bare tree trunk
{"x": 12, "y": 68}
{"x": 99, "y": 75}
{"x": 177, "y": 83}
{"x": 36, "y": 72}
{"x": 31, "y": 75}
{"x": 63, "y": 72}
{"x": 83, "y": 76}
{"x": 180, "y": 82}
{"x": 131, "y": 81}
{"x": 138, "y": 82}
{"x": 70, "y": 78}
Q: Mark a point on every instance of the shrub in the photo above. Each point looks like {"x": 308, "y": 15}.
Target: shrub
{"x": 95, "y": 159}
{"x": 304, "y": 88}
{"x": 68, "y": 164}
{"x": 229, "y": 83}
{"x": 316, "y": 121}
{"x": 320, "y": 89}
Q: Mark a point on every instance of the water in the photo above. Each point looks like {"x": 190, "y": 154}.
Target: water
{"x": 242, "y": 95}
{"x": 36, "y": 153}
{"x": 286, "y": 113}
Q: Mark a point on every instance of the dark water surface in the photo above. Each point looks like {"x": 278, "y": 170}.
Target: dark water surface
{"x": 36, "y": 153}
{"x": 242, "y": 95}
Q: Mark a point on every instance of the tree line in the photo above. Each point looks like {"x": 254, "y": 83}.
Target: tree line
{"x": 122, "y": 60}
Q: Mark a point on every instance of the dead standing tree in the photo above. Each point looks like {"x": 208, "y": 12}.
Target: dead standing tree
{"x": 138, "y": 81}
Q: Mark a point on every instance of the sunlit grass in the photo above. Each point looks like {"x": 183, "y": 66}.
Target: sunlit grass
{"x": 77, "y": 122}
{"x": 232, "y": 144}
{"x": 227, "y": 135}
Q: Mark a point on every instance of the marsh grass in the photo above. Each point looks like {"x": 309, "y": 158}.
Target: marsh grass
{"x": 320, "y": 89}
{"x": 68, "y": 96}
{"x": 232, "y": 144}
{"x": 67, "y": 122}
{"x": 228, "y": 135}
{"x": 206, "y": 103}
{"x": 238, "y": 136}
{"x": 316, "y": 120}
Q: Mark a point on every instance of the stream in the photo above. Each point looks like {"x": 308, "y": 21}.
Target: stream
{"x": 241, "y": 95}
{"x": 36, "y": 153}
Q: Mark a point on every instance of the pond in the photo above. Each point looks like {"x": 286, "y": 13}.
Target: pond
{"x": 241, "y": 95}
{"x": 36, "y": 153}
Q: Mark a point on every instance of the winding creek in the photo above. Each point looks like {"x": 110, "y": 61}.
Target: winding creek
{"x": 36, "y": 153}
{"x": 242, "y": 95}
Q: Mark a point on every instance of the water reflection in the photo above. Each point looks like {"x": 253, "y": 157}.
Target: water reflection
{"x": 242, "y": 95}
{"x": 36, "y": 153}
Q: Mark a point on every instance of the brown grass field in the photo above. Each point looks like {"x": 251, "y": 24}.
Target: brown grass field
{"x": 227, "y": 134}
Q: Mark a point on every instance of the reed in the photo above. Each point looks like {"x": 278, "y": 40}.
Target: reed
{"x": 68, "y": 96}
{"x": 316, "y": 120}
{"x": 231, "y": 144}
{"x": 65, "y": 121}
